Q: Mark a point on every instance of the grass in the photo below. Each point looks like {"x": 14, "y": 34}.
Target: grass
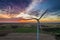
{"x": 21, "y": 30}
{"x": 52, "y": 30}
{"x": 25, "y": 30}
{"x": 28, "y": 30}
{"x": 31, "y": 30}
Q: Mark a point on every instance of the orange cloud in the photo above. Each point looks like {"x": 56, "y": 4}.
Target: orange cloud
{"x": 25, "y": 21}
{"x": 42, "y": 20}
{"x": 4, "y": 16}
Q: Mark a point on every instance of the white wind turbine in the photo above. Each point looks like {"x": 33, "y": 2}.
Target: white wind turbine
{"x": 38, "y": 22}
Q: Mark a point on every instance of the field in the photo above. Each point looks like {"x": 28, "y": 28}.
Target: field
{"x": 30, "y": 27}
{"x": 14, "y": 31}
{"x": 26, "y": 36}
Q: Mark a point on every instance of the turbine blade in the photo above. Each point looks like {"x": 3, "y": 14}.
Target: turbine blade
{"x": 43, "y": 14}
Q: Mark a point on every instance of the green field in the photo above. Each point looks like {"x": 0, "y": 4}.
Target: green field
{"x": 31, "y": 28}
{"x": 21, "y": 30}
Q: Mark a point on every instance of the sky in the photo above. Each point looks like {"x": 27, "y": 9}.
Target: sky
{"x": 23, "y": 10}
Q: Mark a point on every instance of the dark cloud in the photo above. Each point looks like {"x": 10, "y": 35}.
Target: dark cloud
{"x": 20, "y": 3}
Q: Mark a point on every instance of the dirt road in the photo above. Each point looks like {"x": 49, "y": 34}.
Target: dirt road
{"x": 26, "y": 36}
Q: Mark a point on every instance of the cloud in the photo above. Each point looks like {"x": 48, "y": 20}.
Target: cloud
{"x": 4, "y": 16}
{"x": 32, "y": 5}
{"x": 16, "y": 4}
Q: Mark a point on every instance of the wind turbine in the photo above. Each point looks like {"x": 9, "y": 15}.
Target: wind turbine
{"x": 37, "y": 19}
{"x": 38, "y": 22}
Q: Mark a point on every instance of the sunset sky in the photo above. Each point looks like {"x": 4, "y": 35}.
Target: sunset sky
{"x": 23, "y": 10}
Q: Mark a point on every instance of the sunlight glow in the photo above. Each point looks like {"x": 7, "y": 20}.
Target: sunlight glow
{"x": 26, "y": 16}
{"x": 4, "y": 16}
{"x": 23, "y": 15}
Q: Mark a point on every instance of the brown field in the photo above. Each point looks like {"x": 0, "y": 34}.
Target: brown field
{"x": 26, "y": 36}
